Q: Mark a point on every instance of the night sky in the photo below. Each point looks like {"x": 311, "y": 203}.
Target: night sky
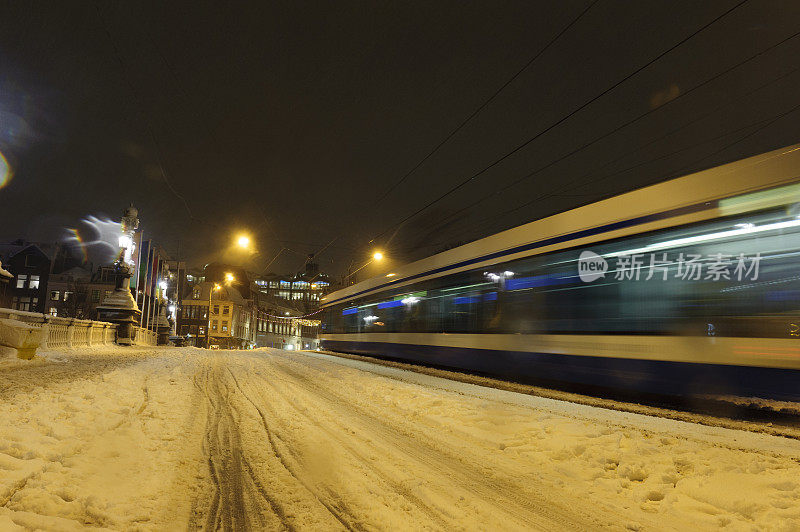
{"x": 290, "y": 120}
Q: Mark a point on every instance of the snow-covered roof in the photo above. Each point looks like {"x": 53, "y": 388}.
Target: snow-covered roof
{"x": 9, "y": 249}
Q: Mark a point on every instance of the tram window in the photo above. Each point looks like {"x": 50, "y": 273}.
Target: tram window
{"x": 544, "y": 295}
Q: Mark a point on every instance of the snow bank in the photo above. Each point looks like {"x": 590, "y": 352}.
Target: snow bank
{"x": 94, "y": 438}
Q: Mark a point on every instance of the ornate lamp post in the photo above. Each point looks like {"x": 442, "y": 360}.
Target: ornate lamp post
{"x": 120, "y": 307}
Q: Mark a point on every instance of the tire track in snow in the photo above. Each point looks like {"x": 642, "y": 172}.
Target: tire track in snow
{"x": 236, "y": 492}
{"x": 336, "y": 508}
{"x": 529, "y": 509}
{"x": 432, "y": 513}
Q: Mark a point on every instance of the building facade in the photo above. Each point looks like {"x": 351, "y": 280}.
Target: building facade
{"x": 303, "y": 290}
{"x": 31, "y": 267}
{"x": 217, "y": 317}
{"x": 68, "y": 294}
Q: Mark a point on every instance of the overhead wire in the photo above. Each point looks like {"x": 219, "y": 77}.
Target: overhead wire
{"x": 560, "y": 121}
{"x": 697, "y": 119}
{"x": 503, "y": 189}
{"x": 486, "y": 102}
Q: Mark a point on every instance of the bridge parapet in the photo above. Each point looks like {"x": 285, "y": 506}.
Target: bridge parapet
{"x": 65, "y": 332}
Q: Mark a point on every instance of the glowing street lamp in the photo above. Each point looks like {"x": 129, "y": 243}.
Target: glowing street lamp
{"x": 377, "y": 256}
{"x": 243, "y": 241}
{"x": 229, "y": 278}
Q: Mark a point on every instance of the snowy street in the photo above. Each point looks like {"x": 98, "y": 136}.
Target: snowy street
{"x": 170, "y": 438}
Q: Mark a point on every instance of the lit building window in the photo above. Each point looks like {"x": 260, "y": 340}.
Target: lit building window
{"x": 196, "y": 293}
{"x": 224, "y": 326}
{"x": 55, "y": 295}
{"x": 67, "y": 295}
{"x": 21, "y": 281}
{"x": 34, "y": 283}
{"x": 54, "y": 311}
{"x": 214, "y": 326}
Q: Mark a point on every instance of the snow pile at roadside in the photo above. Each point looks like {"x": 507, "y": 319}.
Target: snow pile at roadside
{"x": 93, "y": 437}
{"x": 784, "y": 407}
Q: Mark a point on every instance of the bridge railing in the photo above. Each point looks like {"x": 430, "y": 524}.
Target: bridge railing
{"x": 66, "y": 332}
{"x": 144, "y": 337}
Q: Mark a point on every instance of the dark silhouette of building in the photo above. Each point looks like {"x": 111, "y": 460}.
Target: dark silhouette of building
{"x": 31, "y": 268}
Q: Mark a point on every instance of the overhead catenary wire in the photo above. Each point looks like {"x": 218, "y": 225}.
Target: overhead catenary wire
{"x": 560, "y": 121}
{"x": 545, "y": 196}
{"x": 485, "y": 103}
{"x": 760, "y": 125}
{"x": 527, "y": 176}
{"x": 695, "y": 120}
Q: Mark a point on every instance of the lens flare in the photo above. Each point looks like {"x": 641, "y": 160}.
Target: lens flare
{"x": 75, "y": 236}
{"x": 103, "y": 244}
{"x": 5, "y": 171}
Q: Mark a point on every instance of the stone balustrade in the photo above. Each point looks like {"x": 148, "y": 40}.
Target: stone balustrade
{"x": 144, "y": 337}
{"x": 70, "y": 332}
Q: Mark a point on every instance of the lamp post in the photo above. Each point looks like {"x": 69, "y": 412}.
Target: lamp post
{"x": 208, "y": 328}
{"x": 376, "y": 257}
{"x": 120, "y": 307}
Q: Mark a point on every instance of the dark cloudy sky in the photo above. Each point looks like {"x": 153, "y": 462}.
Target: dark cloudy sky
{"x": 290, "y": 119}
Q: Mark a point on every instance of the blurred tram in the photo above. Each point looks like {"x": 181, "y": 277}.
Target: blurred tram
{"x": 690, "y": 286}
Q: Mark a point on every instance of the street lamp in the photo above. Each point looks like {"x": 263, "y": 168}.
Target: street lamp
{"x": 208, "y": 328}
{"x": 229, "y": 278}
{"x": 377, "y": 256}
{"x": 243, "y": 241}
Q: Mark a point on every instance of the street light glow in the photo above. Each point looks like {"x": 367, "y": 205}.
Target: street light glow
{"x": 378, "y": 256}
{"x": 229, "y": 278}
{"x": 243, "y": 241}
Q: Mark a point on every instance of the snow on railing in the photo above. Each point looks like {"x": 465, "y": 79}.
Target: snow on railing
{"x": 144, "y": 337}
{"x": 66, "y": 332}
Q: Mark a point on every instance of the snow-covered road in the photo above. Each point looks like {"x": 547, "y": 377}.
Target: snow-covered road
{"x": 170, "y": 438}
